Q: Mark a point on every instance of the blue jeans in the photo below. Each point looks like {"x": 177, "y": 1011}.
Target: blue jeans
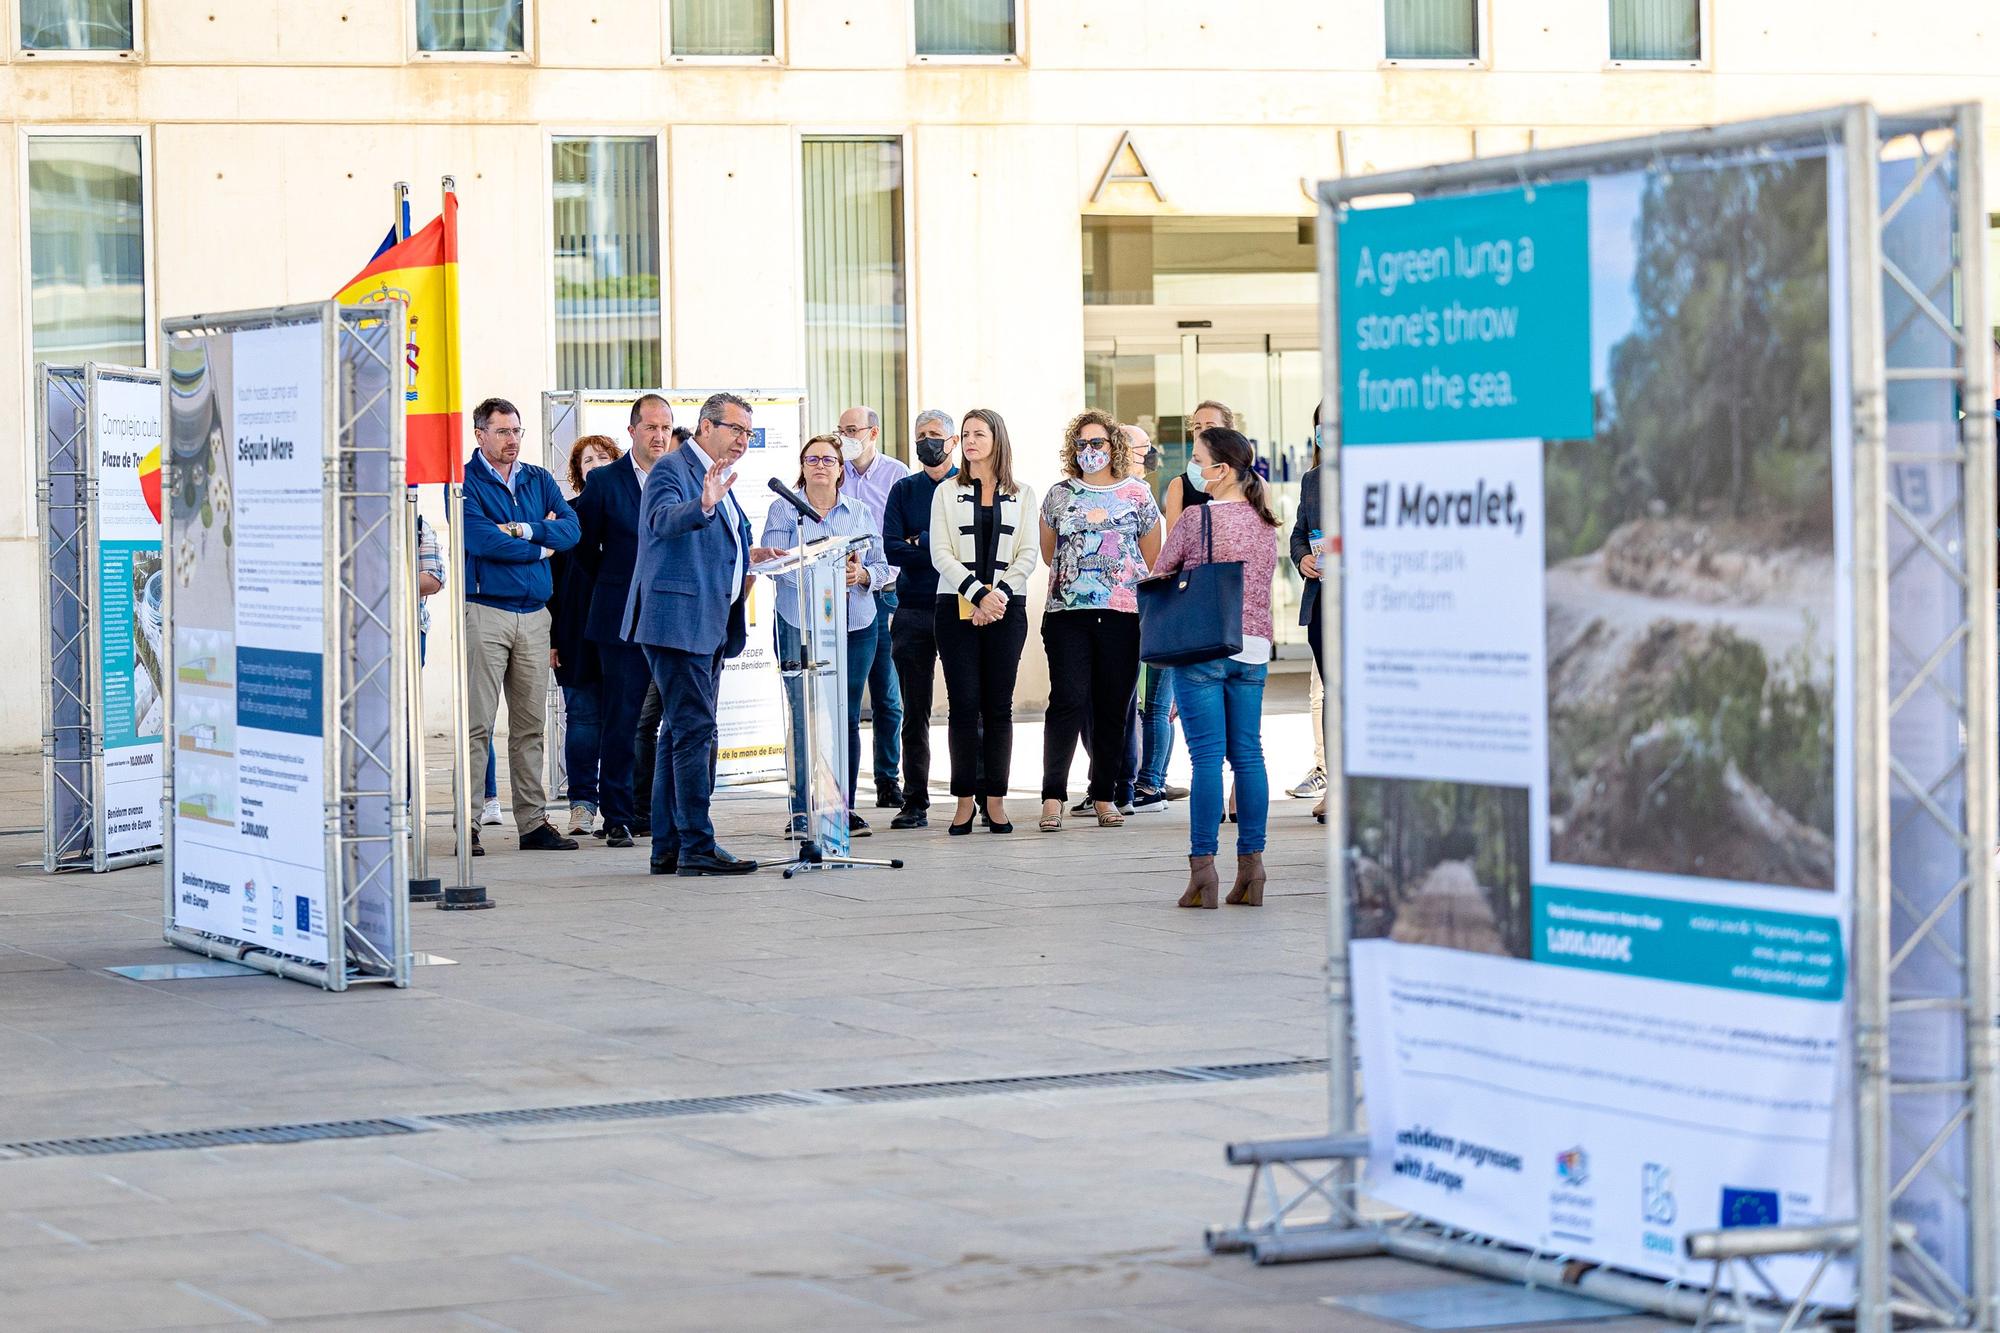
{"x": 492, "y": 787}
{"x": 861, "y": 656}
{"x": 1222, "y": 711}
{"x": 580, "y": 743}
{"x": 1156, "y": 728}
{"x": 885, "y": 695}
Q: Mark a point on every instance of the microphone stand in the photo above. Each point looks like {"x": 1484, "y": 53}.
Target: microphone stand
{"x": 810, "y": 855}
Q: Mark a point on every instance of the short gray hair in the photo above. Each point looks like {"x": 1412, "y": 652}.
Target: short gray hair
{"x": 942, "y": 418}
{"x": 711, "y": 410}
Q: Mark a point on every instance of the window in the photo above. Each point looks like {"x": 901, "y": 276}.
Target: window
{"x": 983, "y": 28}
{"x": 1431, "y": 30}
{"x": 76, "y": 25}
{"x": 725, "y": 28}
{"x": 1656, "y": 30}
{"x": 607, "y": 262}
{"x": 87, "y": 249}
{"x": 856, "y": 323}
{"x": 489, "y": 26}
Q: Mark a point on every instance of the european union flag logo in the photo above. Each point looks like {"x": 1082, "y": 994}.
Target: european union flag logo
{"x": 304, "y": 914}
{"x": 1749, "y": 1208}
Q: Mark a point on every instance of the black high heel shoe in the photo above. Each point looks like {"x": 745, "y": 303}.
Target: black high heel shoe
{"x": 959, "y": 830}
{"x": 995, "y": 826}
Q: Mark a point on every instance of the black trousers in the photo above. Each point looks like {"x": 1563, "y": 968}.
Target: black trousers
{"x": 627, "y": 681}
{"x": 1094, "y": 673}
{"x": 913, "y": 647}
{"x": 980, "y": 664}
{"x": 645, "y": 752}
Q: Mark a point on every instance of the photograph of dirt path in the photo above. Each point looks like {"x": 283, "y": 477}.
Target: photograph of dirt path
{"x": 1690, "y": 543}
{"x": 1439, "y": 863}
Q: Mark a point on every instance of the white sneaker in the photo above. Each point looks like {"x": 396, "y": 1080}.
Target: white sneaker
{"x": 1312, "y": 785}
{"x": 580, "y": 820}
{"x": 491, "y": 813}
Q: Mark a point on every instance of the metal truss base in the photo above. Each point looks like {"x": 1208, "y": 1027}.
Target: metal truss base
{"x": 811, "y": 858}
{"x": 465, "y": 898}
{"x": 426, "y": 890}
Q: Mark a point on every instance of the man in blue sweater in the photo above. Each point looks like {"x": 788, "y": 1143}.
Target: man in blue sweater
{"x": 515, "y": 518}
{"x": 906, "y": 537}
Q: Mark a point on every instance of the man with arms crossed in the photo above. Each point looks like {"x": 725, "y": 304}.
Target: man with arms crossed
{"x": 515, "y": 518}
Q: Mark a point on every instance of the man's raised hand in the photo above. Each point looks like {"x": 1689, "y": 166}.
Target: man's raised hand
{"x": 715, "y": 484}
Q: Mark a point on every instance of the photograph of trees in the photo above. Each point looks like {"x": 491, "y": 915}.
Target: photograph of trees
{"x": 1690, "y": 541}
{"x": 1439, "y": 863}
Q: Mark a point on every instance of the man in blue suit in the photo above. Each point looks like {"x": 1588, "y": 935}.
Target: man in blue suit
{"x": 606, "y": 554}
{"x": 685, "y": 608}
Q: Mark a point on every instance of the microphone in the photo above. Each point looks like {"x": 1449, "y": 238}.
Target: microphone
{"x": 795, "y": 500}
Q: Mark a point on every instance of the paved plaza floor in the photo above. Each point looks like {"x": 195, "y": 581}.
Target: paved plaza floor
{"x": 1043, "y": 1207}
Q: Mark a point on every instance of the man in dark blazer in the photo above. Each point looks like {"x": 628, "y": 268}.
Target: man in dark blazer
{"x": 606, "y": 555}
{"x": 685, "y": 608}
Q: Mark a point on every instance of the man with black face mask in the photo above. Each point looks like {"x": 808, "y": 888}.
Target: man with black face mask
{"x": 906, "y": 536}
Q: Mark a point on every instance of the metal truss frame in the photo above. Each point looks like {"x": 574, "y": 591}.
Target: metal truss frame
{"x": 69, "y": 714}
{"x": 369, "y": 610}
{"x": 1925, "y": 945}
{"x": 368, "y": 815}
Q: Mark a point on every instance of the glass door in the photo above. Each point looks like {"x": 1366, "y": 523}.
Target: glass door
{"x": 1155, "y": 376}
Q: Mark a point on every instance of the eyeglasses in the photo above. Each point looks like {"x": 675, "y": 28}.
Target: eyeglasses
{"x": 1092, "y": 439}
{"x": 506, "y": 432}
{"x": 821, "y": 460}
{"x": 851, "y": 431}
{"x": 740, "y": 432}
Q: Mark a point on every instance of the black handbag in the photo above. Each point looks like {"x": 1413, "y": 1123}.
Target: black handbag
{"x": 1195, "y": 614}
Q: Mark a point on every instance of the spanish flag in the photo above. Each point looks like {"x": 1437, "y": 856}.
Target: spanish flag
{"x": 423, "y": 273}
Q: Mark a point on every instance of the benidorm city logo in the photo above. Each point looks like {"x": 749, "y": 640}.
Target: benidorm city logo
{"x": 1573, "y": 1167}
{"x": 249, "y": 890}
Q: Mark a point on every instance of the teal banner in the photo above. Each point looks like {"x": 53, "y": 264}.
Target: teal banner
{"x": 1702, "y": 944}
{"x": 1467, "y": 318}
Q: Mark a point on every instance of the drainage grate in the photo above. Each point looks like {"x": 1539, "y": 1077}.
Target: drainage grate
{"x": 560, "y": 1115}
{"x": 1264, "y": 1069}
{"x": 657, "y": 1110}
{"x": 209, "y": 1138}
{"x": 977, "y": 1087}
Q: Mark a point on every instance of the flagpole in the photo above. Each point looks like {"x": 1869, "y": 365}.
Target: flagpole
{"x": 422, "y": 887}
{"x": 464, "y": 893}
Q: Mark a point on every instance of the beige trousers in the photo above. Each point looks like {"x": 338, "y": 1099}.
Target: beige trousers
{"x": 507, "y": 654}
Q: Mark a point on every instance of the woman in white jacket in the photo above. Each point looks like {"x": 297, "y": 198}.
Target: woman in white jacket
{"x": 984, "y": 545}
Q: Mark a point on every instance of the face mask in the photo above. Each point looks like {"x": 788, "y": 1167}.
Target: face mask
{"x": 1194, "y": 477}
{"x": 1089, "y": 460}
{"x": 1152, "y": 463}
{"x": 931, "y": 452}
{"x": 851, "y": 447}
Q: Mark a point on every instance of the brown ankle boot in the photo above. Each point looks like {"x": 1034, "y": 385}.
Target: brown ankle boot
{"x": 1249, "y": 888}
{"x": 1202, "y": 883}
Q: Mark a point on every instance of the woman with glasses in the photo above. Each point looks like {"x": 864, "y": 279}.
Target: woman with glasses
{"x": 984, "y": 548}
{"x": 1222, "y": 702}
{"x": 1099, "y": 531}
{"x": 819, "y": 481}
{"x": 570, "y": 653}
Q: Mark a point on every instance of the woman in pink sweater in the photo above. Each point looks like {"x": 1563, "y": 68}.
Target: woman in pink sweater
{"x": 1222, "y": 702}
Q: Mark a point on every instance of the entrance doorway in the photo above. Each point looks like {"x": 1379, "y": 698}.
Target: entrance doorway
{"x": 1151, "y": 365}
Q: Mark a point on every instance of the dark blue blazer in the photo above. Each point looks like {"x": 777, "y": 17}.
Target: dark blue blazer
{"x": 608, "y": 550}
{"x": 680, "y": 596}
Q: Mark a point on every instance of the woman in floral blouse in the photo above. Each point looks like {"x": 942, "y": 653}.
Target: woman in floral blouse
{"x": 1100, "y": 532}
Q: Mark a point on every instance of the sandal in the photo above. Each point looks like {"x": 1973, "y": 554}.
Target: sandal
{"x": 1051, "y": 823}
{"x": 1110, "y": 818}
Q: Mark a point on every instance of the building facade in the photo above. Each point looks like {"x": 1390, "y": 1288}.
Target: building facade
{"x": 1031, "y": 205}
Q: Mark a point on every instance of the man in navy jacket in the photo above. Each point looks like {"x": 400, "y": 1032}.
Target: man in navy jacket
{"x": 514, "y": 519}
{"x": 685, "y": 608}
{"x": 906, "y": 537}
{"x": 608, "y": 511}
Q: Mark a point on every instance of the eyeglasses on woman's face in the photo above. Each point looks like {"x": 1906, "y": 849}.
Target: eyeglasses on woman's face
{"x": 821, "y": 460}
